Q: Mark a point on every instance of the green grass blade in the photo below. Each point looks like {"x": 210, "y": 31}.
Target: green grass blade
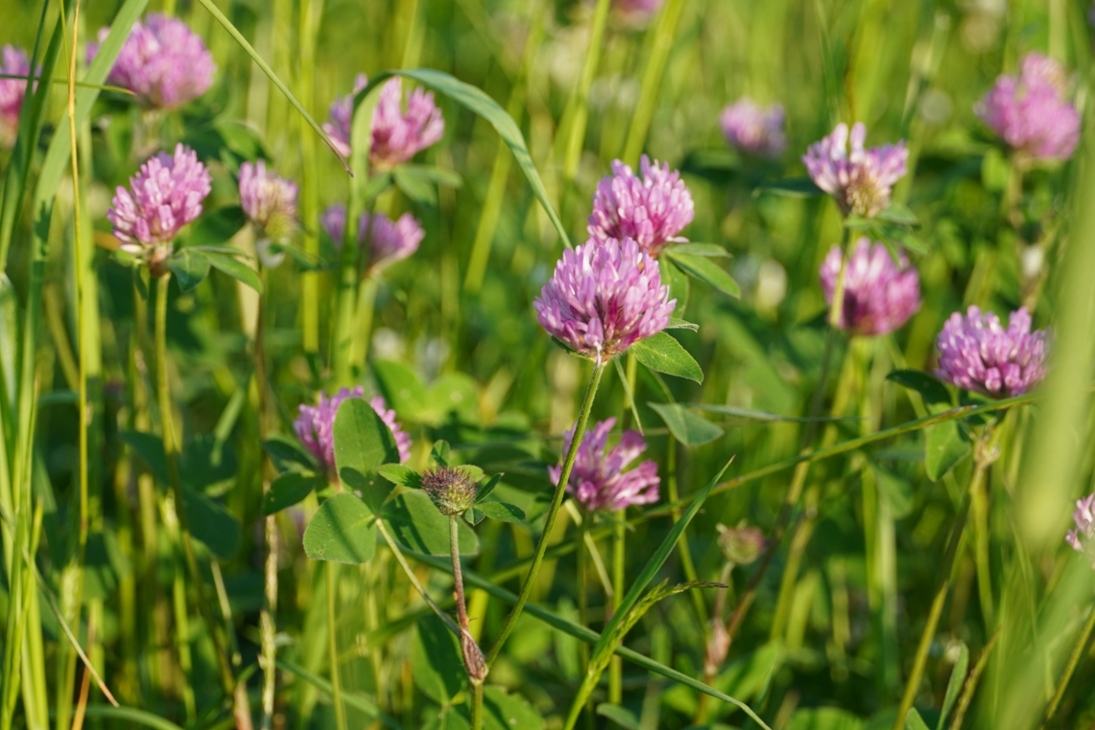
{"x": 130, "y": 714}
{"x": 356, "y": 701}
{"x": 477, "y": 101}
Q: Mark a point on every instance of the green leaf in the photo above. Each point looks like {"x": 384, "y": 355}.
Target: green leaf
{"x": 9, "y": 341}
{"x": 680, "y": 324}
{"x": 401, "y": 387}
{"x": 899, "y": 215}
{"x": 697, "y": 249}
{"x": 403, "y": 476}
{"x": 687, "y": 427}
{"x": 799, "y": 187}
{"x": 363, "y": 443}
{"x": 954, "y": 686}
{"x": 150, "y": 448}
{"x": 487, "y": 488}
{"x": 416, "y": 187}
{"x": 933, "y": 391}
{"x": 474, "y": 516}
{"x": 504, "y": 711}
{"x": 250, "y": 50}
{"x": 215, "y": 228}
{"x": 342, "y": 530}
{"x": 211, "y": 524}
{"x": 289, "y": 489}
{"x": 702, "y": 268}
{"x": 287, "y": 453}
{"x": 205, "y": 463}
{"x": 440, "y": 454}
{"x": 622, "y": 716}
{"x": 439, "y": 175}
{"x": 501, "y": 511}
{"x": 913, "y": 721}
{"x": 376, "y": 185}
{"x": 189, "y": 267}
{"x": 436, "y": 663}
{"x": 415, "y": 522}
{"x": 235, "y": 268}
{"x": 662, "y": 353}
{"x": 678, "y": 282}
{"x": 944, "y": 446}
{"x": 477, "y": 101}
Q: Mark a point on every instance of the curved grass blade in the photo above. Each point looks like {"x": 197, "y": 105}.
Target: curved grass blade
{"x": 238, "y": 38}
{"x": 477, "y": 101}
{"x": 356, "y": 701}
{"x": 130, "y": 714}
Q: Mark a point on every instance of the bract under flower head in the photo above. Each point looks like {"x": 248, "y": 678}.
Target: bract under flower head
{"x": 879, "y": 295}
{"x": 978, "y": 354}
{"x": 163, "y": 62}
{"x": 598, "y": 480}
{"x": 754, "y": 130}
{"x": 604, "y": 297}
{"x": 315, "y": 426}
{"x": 1031, "y": 113}
{"x": 652, "y": 209}
{"x": 859, "y": 179}
{"x": 388, "y": 241}
{"x": 269, "y": 200}
{"x": 1082, "y": 538}
{"x": 397, "y": 136}
{"x": 13, "y": 62}
{"x": 167, "y": 193}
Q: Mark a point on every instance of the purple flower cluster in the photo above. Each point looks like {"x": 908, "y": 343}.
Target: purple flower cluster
{"x": 167, "y": 193}
{"x": 269, "y": 200}
{"x": 977, "y": 353}
{"x": 1082, "y": 538}
{"x": 859, "y": 179}
{"x": 637, "y": 12}
{"x": 397, "y": 135}
{"x": 603, "y": 297}
{"x": 598, "y": 480}
{"x": 315, "y": 426}
{"x": 652, "y": 209}
{"x": 13, "y": 62}
{"x": 388, "y": 241}
{"x": 163, "y": 62}
{"x": 879, "y": 295}
{"x": 754, "y": 130}
{"x": 1031, "y": 112}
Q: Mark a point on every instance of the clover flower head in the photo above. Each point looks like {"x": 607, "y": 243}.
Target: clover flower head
{"x": 977, "y": 353}
{"x": 388, "y": 241}
{"x": 859, "y": 179}
{"x": 879, "y": 295}
{"x": 163, "y": 62}
{"x": 637, "y": 13}
{"x": 604, "y": 297}
{"x": 1082, "y": 538}
{"x": 740, "y": 545}
{"x": 269, "y": 200}
{"x": 315, "y": 427}
{"x": 598, "y": 479}
{"x": 1031, "y": 113}
{"x": 652, "y": 209}
{"x": 397, "y": 136}
{"x": 13, "y": 62}
{"x": 754, "y": 130}
{"x": 451, "y": 488}
{"x": 165, "y": 195}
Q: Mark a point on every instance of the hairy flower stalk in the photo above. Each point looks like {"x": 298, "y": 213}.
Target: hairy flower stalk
{"x": 879, "y": 295}
{"x": 163, "y": 62}
{"x": 977, "y": 353}
{"x": 385, "y": 241}
{"x": 603, "y": 298}
{"x": 860, "y": 180}
{"x": 397, "y": 135}
{"x": 599, "y": 481}
{"x": 754, "y": 130}
{"x": 1031, "y": 112}
{"x": 166, "y": 194}
{"x": 315, "y": 426}
{"x": 13, "y": 62}
{"x": 652, "y": 209}
{"x": 270, "y": 203}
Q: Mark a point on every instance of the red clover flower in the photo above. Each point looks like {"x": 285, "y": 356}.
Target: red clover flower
{"x": 604, "y": 297}
{"x": 13, "y": 62}
{"x": 978, "y": 354}
{"x": 315, "y": 426}
{"x": 167, "y": 193}
{"x": 269, "y": 200}
{"x": 389, "y": 241}
{"x": 754, "y": 130}
{"x": 859, "y": 179}
{"x": 1031, "y": 112}
{"x": 651, "y": 209}
{"x": 879, "y": 295}
{"x": 1082, "y": 539}
{"x": 598, "y": 480}
{"x": 163, "y": 62}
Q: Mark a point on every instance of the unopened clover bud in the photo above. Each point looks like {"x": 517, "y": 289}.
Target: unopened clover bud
{"x": 718, "y": 645}
{"x": 473, "y": 658}
{"x": 740, "y": 545}
{"x": 451, "y": 488}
